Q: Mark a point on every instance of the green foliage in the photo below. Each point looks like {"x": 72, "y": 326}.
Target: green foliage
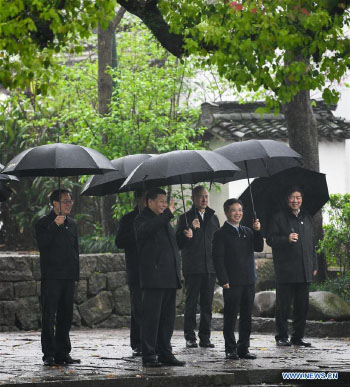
{"x": 340, "y": 286}
{"x": 282, "y": 46}
{"x": 336, "y": 240}
{"x": 92, "y": 244}
{"x": 32, "y": 33}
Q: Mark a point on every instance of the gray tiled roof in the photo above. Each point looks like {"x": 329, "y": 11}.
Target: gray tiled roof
{"x": 231, "y": 121}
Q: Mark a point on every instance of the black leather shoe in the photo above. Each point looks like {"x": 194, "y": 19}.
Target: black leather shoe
{"x": 49, "y": 361}
{"x": 67, "y": 360}
{"x": 246, "y": 355}
{"x": 300, "y": 342}
{"x": 206, "y": 344}
{"x": 172, "y": 361}
{"x": 136, "y": 352}
{"x": 232, "y": 355}
{"x": 191, "y": 344}
{"x": 283, "y": 343}
{"x": 151, "y": 363}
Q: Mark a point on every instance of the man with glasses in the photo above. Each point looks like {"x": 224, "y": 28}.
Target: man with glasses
{"x": 295, "y": 261}
{"x": 57, "y": 238}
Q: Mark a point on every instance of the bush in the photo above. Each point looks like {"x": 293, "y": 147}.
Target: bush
{"x": 339, "y": 286}
{"x": 92, "y": 244}
{"x": 336, "y": 241}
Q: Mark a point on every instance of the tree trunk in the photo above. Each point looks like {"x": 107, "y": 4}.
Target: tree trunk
{"x": 106, "y": 59}
{"x": 303, "y": 138}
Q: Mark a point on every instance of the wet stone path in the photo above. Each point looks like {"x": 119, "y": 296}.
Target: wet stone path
{"x": 106, "y": 361}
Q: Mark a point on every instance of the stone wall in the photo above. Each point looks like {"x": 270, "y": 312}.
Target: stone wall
{"x": 101, "y": 297}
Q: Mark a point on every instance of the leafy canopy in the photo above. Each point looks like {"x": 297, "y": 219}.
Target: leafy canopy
{"x": 33, "y": 32}
{"x": 283, "y": 47}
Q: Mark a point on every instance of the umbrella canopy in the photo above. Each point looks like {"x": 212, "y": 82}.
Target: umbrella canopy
{"x": 110, "y": 182}
{"x": 4, "y": 177}
{"x": 180, "y": 167}
{"x": 270, "y": 193}
{"x": 58, "y": 160}
{"x": 258, "y": 158}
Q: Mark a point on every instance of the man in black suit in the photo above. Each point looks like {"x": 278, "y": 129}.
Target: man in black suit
{"x": 125, "y": 239}
{"x": 159, "y": 261}
{"x": 57, "y": 238}
{"x": 233, "y": 254}
{"x": 197, "y": 266}
{"x": 290, "y": 236}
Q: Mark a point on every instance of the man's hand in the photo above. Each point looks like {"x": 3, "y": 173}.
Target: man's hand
{"x": 59, "y": 220}
{"x": 226, "y": 286}
{"x": 172, "y": 206}
{"x": 256, "y": 225}
{"x": 315, "y": 273}
{"x": 188, "y": 233}
{"x": 196, "y": 223}
{"x": 293, "y": 237}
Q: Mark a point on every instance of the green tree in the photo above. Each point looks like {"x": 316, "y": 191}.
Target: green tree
{"x": 33, "y": 32}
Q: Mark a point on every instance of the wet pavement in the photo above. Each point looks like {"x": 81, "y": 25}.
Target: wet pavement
{"x": 106, "y": 361}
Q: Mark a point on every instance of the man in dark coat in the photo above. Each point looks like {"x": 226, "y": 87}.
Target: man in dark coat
{"x": 290, "y": 236}
{"x": 57, "y": 238}
{"x": 197, "y": 265}
{"x": 125, "y": 239}
{"x": 233, "y": 253}
{"x": 159, "y": 262}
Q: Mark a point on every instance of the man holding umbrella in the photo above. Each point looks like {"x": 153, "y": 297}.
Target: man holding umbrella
{"x": 197, "y": 265}
{"x": 233, "y": 254}
{"x": 125, "y": 239}
{"x": 159, "y": 261}
{"x": 57, "y": 239}
{"x": 290, "y": 236}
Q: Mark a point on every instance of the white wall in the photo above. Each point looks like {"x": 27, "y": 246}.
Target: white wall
{"x": 335, "y": 163}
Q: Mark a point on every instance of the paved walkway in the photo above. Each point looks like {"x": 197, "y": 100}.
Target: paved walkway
{"x": 106, "y": 361}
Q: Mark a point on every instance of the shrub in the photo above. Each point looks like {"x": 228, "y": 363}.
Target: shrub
{"x": 339, "y": 286}
{"x": 336, "y": 242}
{"x": 91, "y": 244}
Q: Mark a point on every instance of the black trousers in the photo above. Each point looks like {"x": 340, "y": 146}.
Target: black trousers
{"x": 57, "y": 297}
{"x": 158, "y": 320}
{"x": 198, "y": 286}
{"x": 238, "y": 299}
{"x": 136, "y": 317}
{"x": 285, "y": 294}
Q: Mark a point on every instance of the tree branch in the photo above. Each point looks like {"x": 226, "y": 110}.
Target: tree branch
{"x": 118, "y": 17}
{"x": 148, "y": 12}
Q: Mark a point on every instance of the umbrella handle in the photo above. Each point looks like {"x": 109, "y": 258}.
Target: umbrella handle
{"x": 183, "y": 203}
{"x": 59, "y": 195}
{"x": 250, "y": 189}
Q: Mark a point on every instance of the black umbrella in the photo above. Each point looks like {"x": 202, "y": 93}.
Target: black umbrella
{"x": 4, "y": 177}
{"x": 110, "y": 182}
{"x": 270, "y": 193}
{"x": 180, "y": 167}
{"x": 259, "y": 158}
{"x": 58, "y": 160}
